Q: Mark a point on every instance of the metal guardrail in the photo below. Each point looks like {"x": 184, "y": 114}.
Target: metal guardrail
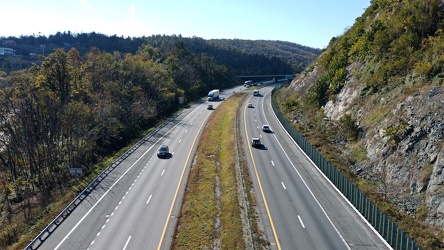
{"x": 388, "y": 229}
{"x": 54, "y": 224}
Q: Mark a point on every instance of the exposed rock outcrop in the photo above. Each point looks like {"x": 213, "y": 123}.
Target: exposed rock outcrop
{"x": 410, "y": 170}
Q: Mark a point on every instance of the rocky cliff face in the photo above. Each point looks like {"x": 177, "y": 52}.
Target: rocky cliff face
{"x": 403, "y": 135}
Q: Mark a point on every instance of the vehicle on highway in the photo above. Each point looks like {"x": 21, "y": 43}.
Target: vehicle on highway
{"x": 163, "y": 151}
{"x": 256, "y": 142}
{"x": 210, "y": 107}
{"x": 266, "y": 128}
{"x": 213, "y": 95}
{"x": 256, "y": 92}
{"x": 250, "y": 105}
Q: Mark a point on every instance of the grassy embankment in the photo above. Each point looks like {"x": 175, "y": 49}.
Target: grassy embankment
{"x": 210, "y": 215}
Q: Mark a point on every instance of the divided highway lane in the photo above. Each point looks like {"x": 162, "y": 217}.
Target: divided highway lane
{"x": 144, "y": 210}
{"x": 298, "y": 221}
{"x": 135, "y": 206}
{"x": 297, "y": 217}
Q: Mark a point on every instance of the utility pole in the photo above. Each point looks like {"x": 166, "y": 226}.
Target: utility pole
{"x": 43, "y": 48}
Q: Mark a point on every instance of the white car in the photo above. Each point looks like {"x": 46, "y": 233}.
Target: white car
{"x": 250, "y": 105}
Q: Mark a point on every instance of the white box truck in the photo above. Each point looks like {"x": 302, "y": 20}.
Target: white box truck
{"x": 213, "y": 95}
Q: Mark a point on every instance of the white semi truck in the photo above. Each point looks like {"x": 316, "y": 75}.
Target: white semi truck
{"x": 213, "y": 95}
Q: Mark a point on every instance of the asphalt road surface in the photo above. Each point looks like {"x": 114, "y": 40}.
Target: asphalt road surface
{"x": 136, "y": 205}
{"x": 301, "y": 209}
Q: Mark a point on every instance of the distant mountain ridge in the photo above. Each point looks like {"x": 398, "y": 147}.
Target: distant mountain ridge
{"x": 241, "y": 56}
{"x": 262, "y": 56}
{"x": 299, "y": 56}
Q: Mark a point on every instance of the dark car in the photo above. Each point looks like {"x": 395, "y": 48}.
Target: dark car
{"x": 163, "y": 151}
{"x": 210, "y": 107}
{"x": 250, "y": 105}
{"x": 256, "y": 142}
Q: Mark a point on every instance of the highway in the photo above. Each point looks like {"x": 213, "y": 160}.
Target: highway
{"x": 136, "y": 205}
{"x": 300, "y": 208}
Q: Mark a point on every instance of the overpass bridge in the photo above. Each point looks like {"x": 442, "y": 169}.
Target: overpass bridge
{"x": 252, "y": 80}
{"x": 288, "y": 76}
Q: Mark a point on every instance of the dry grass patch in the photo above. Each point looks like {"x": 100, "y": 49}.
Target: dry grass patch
{"x": 210, "y": 215}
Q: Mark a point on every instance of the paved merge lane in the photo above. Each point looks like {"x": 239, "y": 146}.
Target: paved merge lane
{"x": 290, "y": 185}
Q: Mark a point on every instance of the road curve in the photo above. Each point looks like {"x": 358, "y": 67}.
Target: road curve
{"x": 302, "y": 209}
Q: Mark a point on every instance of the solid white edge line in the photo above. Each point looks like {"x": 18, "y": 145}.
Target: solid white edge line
{"x": 127, "y": 242}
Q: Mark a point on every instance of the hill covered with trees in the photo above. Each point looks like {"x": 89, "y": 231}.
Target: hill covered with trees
{"x": 372, "y": 104}
{"x": 242, "y": 57}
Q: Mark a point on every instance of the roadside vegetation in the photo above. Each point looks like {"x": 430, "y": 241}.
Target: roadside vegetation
{"x": 211, "y": 216}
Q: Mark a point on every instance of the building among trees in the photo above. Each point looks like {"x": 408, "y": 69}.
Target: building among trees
{"x": 7, "y": 51}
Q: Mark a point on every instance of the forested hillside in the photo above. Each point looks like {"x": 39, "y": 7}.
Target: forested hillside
{"x": 372, "y": 103}
{"x": 299, "y": 56}
{"x": 242, "y": 57}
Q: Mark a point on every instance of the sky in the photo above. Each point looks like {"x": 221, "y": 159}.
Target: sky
{"x": 310, "y": 23}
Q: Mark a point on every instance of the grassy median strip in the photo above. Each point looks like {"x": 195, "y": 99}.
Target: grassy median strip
{"x": 210, "y": 216}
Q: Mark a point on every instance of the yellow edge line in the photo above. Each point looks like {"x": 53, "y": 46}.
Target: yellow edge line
{"x": 259, "y": 182}
{"x": 178, "y": 186}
